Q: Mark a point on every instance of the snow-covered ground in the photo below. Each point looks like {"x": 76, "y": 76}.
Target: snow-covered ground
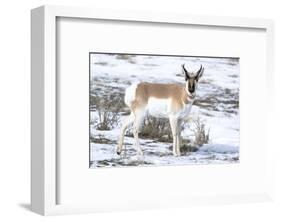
{"x": 217, "y": 105}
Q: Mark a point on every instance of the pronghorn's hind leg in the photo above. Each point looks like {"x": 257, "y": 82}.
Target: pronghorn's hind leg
{"x": 136, "y": 127}
{"x": 129, "y": 120}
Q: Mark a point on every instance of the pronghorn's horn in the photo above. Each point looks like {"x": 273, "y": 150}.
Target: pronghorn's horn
{"x": 185, "y": 71}
{"x": 198, "y": 72}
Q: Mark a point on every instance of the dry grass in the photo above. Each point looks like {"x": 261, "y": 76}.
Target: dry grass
{"x": 127, "y": 57}
{"x": 108, "y": 109}
{"x": 154, "y": 128}
{"x": 101, "y": 140}
{"x": 201, "y": 134}
{"x": 159, "y": 129}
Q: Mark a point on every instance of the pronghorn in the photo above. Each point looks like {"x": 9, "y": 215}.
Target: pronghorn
{"x": 172, "y": 101}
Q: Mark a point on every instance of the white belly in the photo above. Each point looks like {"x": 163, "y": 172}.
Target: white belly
{"x": 158, "y": 107}
{"x": 162, "y": 108}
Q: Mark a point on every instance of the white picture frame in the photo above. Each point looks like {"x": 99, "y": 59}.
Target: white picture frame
{"x": 44, "y": 180}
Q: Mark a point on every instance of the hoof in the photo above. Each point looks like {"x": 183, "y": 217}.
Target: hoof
{"x": 118, "y": 152}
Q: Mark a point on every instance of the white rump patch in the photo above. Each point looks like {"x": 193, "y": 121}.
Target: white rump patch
{"x": 130, "y": 94}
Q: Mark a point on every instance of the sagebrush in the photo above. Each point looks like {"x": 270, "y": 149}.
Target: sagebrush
{"x": 108, "y": 110}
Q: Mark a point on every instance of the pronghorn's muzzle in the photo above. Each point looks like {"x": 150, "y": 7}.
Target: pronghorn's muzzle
{"x": 118, "y": 152}
{"x": 191, "y": 90}
{"x": 192, "y": 95}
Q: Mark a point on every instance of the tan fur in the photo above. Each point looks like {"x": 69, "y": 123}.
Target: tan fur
{"x": 175, "y": 92}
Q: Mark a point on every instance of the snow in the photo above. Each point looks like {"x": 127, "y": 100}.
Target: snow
{"x": 218, "y": 93}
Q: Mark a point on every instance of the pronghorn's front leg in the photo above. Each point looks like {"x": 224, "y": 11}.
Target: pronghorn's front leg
{"x": 174, "y": 127}
{"x": 179, "y": 137}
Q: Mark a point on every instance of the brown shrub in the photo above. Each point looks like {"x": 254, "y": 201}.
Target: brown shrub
{"x": 200, "y": 133}
{"x": 108, "y": 109}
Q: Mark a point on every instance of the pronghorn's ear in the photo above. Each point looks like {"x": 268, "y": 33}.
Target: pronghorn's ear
{"x": 187, "y": 77}
{"x": 200, "y": 73}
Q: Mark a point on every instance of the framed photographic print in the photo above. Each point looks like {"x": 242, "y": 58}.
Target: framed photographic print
{"x": 138, "y": 110}
{"x": 171, "y": 108}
